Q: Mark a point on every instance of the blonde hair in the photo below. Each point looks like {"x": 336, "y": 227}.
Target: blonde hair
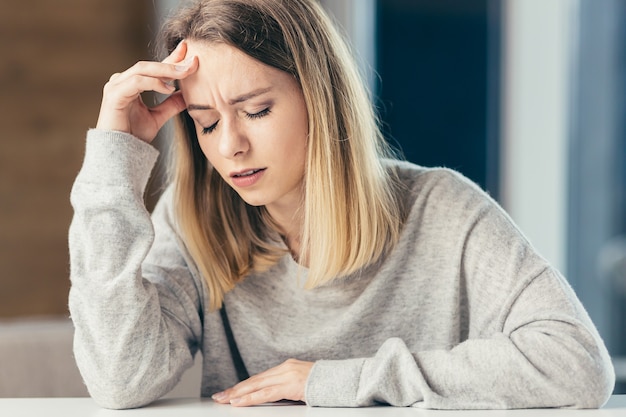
{"x": 350, "y": 214}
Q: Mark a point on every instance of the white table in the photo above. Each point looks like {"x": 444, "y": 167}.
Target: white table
{"x": 192, "y": 407}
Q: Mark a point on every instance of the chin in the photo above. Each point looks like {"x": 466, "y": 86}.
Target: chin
{"x": 254, "y": 204}
{"x": 252, "y": 201}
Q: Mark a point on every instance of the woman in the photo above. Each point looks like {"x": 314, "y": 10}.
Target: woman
{"x": 288, "y": 248}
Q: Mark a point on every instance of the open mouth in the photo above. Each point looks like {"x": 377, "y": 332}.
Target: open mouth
{"x": 248, "y": 173}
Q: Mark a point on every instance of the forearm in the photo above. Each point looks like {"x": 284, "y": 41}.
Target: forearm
{"x": 534, "y": 367}
{"x": 126, "y": 347}
{"x": 477, "y": 374}
{"x": 546, "y": 353}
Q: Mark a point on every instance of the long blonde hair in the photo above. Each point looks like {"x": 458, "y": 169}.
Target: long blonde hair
{"x": 350, "y": 214}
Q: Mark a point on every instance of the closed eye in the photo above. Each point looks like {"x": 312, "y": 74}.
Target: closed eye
{"x": 262, "y": 113}
{"x": 209, "y": 129}
{"x": 258, "y": 115}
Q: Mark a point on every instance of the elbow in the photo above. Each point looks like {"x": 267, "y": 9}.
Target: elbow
{"x": 577, "y": 373}
{"x": 117, "y": 383}
{"x": 589, "y": 384}
{"x": 573, "y": 368}
{"x": 118, "y": 400}
{"x": 113, "y": 391}
{"x": 121, "y": 393}
{"x": 596, "y": 386}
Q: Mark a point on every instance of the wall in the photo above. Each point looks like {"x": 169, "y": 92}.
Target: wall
{"x": 536, "y": 93}
{"x": 55, "y": 59}
{"x": 434, "y": 92}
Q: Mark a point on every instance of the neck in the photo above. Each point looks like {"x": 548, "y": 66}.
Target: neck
{"x": 290, "y": 226}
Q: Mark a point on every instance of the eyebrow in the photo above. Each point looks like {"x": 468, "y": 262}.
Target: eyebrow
{"x": 238, "y": 99}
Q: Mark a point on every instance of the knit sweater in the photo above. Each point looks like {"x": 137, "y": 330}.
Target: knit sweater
{"x": 461, "y": 313}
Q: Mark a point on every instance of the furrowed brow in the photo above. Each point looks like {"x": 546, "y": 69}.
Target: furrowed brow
{"x": 239, "y": 99}
{"x": 250, "y": 95}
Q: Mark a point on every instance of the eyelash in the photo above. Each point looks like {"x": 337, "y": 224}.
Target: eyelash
{"x": 252, "y": 116}
{"x": 258, "y": 115}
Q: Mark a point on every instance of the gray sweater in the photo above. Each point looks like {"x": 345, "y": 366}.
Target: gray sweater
{"x": 463, "y": 313}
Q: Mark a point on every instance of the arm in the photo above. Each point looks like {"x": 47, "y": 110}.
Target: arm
{"x": 524, "y": 340}
{"x": 137, "y": 327}
{"x": 545, "y": 356}
{"x": 527, "y": 340}
{"x": 521, "y": 338}
{"x": 542, "y": 357}
{"x": 137, "y": 323}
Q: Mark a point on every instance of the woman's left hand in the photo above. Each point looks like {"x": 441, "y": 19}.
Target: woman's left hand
{"x": 283, "y": 382}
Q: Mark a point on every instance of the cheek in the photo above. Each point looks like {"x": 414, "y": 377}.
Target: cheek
{"x": 202, "y": 143}
{"x": 205, "y": 147}
{"x": 296, "y": 131}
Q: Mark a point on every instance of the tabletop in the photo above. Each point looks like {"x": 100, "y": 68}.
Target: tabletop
{"x": 191, "y": 407}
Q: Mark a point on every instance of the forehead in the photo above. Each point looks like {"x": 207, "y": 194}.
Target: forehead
{"x": 228, "y": 69}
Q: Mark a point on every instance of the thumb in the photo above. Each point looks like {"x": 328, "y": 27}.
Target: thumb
{"x": 169, "y": 108}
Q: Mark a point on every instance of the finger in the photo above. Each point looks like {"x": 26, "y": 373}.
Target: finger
{"x": 183, "y": 69}
{"x": 119, "y": 101}
{"x": 169, "y": 108}
{"x": 244, "y": 387}
{"x": 178, "y": 54}
{"x": 265, "y": 395}
{"x": 120, "y": 94}
{"x": 285, "y": 381}
{"x": 271, "y": 376}
{"x": 182, "y": 63}
{"x": 158, "y": 70}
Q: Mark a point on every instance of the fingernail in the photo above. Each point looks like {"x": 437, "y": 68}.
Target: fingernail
{"x": 185, "y": 65}
{"x": 219, "y": 396}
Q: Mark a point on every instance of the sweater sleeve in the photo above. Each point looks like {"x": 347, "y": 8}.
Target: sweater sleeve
{"x": 137, "y": 321}
{"x": 529, "y": 342}
{"x": 542, "y": 358}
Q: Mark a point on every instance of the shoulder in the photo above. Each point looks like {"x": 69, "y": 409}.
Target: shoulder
{"x": 413, "y": 174}
{"x": 436, "y": 187}
{"x": 445, "y": 205}
{"x": 451, "y": 219}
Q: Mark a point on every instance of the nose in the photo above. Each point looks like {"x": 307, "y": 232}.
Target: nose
{"x": 233, "y": 141}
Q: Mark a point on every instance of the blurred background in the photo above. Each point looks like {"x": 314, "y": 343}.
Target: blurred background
{"x": 525, "y": 97}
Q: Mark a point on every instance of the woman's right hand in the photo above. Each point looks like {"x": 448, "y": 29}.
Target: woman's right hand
{"x": 123, "y": 109}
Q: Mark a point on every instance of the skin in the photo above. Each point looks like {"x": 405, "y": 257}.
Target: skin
{"x": 213, "y": 76}
{"x": 251, "y": 116}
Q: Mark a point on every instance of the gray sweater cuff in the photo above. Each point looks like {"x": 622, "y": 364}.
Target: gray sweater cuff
{"x": 118, "y": 159}
{"x": 334, "y": 383}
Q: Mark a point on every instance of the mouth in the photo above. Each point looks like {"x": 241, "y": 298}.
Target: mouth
{"x": 247, "y": 173}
